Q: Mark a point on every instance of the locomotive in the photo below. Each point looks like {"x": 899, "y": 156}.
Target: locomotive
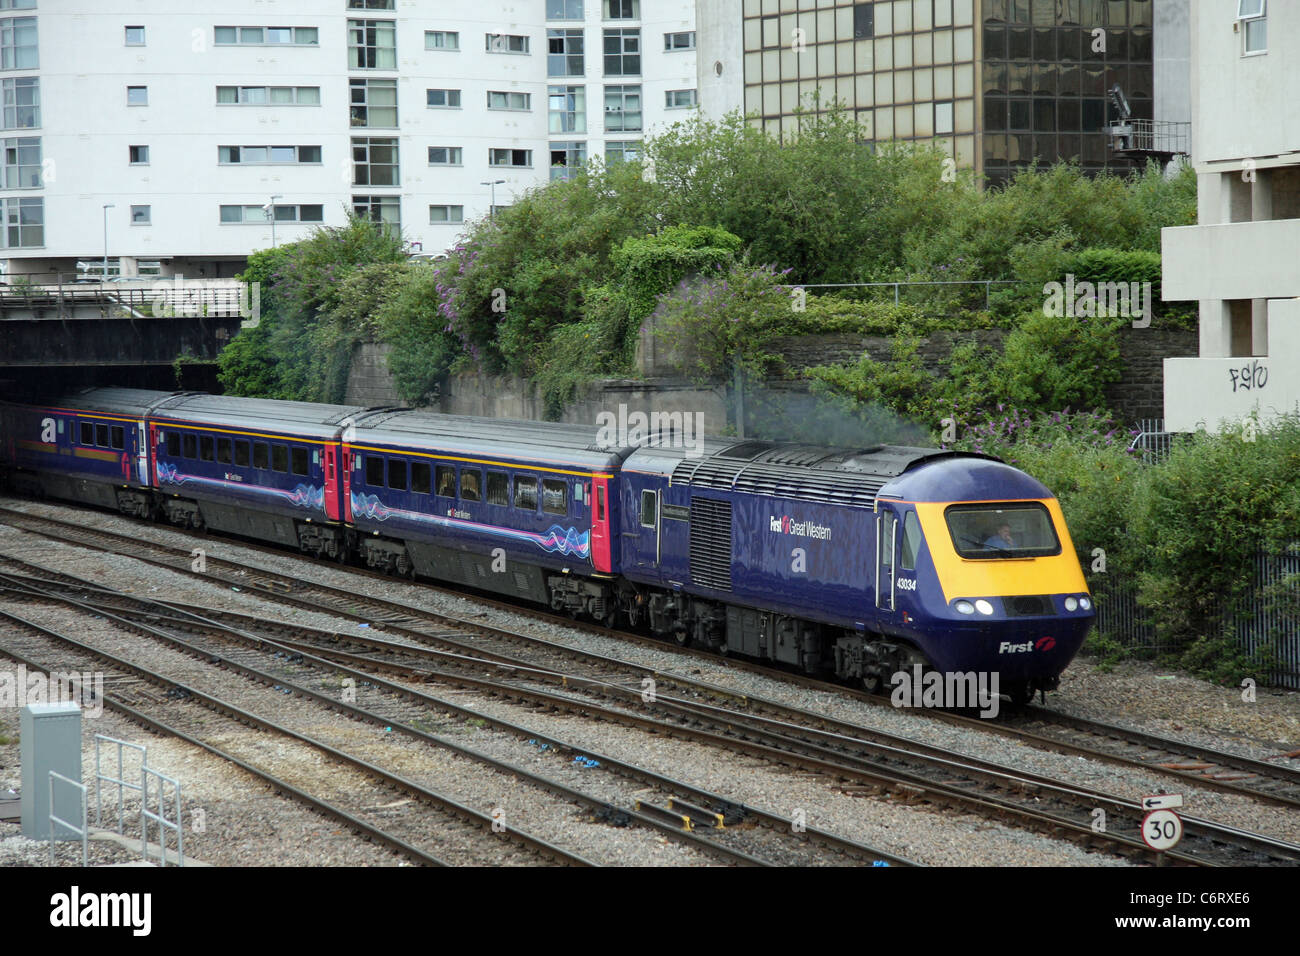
{"x": 852, "y": 562}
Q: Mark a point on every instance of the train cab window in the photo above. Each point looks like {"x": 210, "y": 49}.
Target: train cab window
{"x": 555, "y": 497}
{"x": 279, "y": 458}
{"x": 911, "y": 542}
{"x": 649, "y": 511}
{"x": 375, "y": 471}
{"x": 87, "y": 433}
{"x": 101, "y": 436}
{"x": 299, "y": 457}
{"x": 207, "y": 450}
{"x": 526, "y": 493}
{"x": 420, "y": 477}
{"x": 446, "y": 481}
{"x": 191, "y": 446}
{"x": 261, "y": 457}
{"x": 992, "y": 531}
{"x": 225, "y": 451}
{"x": 498, "y": 488}
{"x": 173, "y": 444}
{"x": 396, "y": 474}
{"x": 241, "y": 454}
{"x": 471, "y": 484}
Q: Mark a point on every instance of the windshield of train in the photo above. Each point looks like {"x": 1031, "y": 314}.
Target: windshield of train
{"x": 1002, "y": 531}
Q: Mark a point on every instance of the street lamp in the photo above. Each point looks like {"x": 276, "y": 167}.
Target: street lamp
{"x": 270, "y": 214}
{"x": 107, "y": 206}
{"x": 494, "y": 183}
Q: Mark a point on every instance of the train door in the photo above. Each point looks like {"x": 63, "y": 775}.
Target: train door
{"x": 600, "y": 551}
{"x": 886, "y": 561}
{"x": 644, "y": 522}
{"x": 345, "y": 474}
{"x": 330, "y": 466}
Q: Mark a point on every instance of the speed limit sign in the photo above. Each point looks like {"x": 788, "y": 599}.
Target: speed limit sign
{"x": 1162, "y": 829}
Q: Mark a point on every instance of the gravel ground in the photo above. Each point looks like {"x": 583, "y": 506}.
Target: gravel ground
{"x": 1135, "y": 695}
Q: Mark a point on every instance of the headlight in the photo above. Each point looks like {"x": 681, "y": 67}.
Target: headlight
{"x": 983, "y": 606}
{"x": 964, "y": 607}
{"x": 1071, "y": 604}
{"x": 1085, "y": 603}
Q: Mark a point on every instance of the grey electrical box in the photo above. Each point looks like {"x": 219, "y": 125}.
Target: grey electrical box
{"x": 50, "y": 740}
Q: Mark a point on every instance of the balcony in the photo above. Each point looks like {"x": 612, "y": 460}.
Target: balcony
{"x": 1237, "y": 260}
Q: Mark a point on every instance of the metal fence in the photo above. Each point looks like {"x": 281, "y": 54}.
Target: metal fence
{"x": 1152, "y": 440}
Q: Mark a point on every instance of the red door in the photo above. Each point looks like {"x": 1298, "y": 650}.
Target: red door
{"x": 600, "y": 525}
{"x": 331, "y": 481}
{"x": 346, "y": 483}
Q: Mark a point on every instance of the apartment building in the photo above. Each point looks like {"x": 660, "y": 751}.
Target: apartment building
{"x": 176, "y": 138}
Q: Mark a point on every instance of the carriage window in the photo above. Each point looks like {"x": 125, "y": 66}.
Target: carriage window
{"x": 600, "y": 503}
{"x": 396, "y": 474}
{"x": 225, "y": 451}
{"x": 206, "y": 448}
{"x": 173, "y": 445}
{"x": 241, "y": 454}
{"x": 447, "y": 481}
{"x": 498, "y": 488}
{"x": 119, "y": 437}
{"x": 260, "y": 457}
{"x": 420, "y": 477}
{"x": 1002, "y": 531}
{"x": 526, "y": 493}
{"x": 87, "y": 433}
{"x": 579, "y": 492}
{"x": 101, "y": 436}
{"x": 471, "y": 481}
{"x": 299, "y": 461}
{"x": 648, "y": 511}
{"x": 375, "y": 471}
{"x": 279, "y": 458}
{"x": 191, "y": 446}
{"x": 911, "y": 541}
{"x": 555, "y": 497}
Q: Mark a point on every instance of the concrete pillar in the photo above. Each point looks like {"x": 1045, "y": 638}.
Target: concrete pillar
{"x": 1259, "y": 327}
{"x": 1216, "y": 329}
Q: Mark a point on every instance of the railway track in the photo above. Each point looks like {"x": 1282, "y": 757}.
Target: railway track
{"x": 928, "y": 773}
{"x": 731, "y": 832}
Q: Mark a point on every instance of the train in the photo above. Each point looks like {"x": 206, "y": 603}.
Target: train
{"x": 851, "y": 563}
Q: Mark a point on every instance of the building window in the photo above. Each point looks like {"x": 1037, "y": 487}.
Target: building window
{"x": 266, "y": 36}
{"x": 564, "y": 53}
{"x": 441, "y": 40}
{"x": 679, "y": 41}
{"x": 564, "y": 10}
{"x": 444, "y": 99}
{"x": 268, "y": 95}
{"x": 385, "y": 210}
{"x": 568, "y": 109}
{"x": 137, "y": 96}
{"x": 1253, "y": 15}
{"x": 623, "y": 109}
{"x": 374, "y": 162}
{"x": 444, "y": 156}
{"x": 679, "y": 99}
{"x": 24, "y": 222}
{"x": 149, "y": 267}
{"x": 135, "y": 36}
{"x": 617, "y": 151}
{"x": 267, "y": 155}
{"x": 864, "y": 21}
{"x": 519, "y": 158}
{"x": 370, "y": 4}
{"x": 307, "y": 212}
{"x": 622, "y": 9}
{"x": 18, "y": 48}
{"x": 622, "y": 52}
{"x": 440, "y": 215}
{"x": 139, "y": 155}
{"x": 374, "y": 102}
{"x": 141, "y": 215}
{"x": 22, "y": 102}
{"x": 17, "y": 4}
{"x": 23, "y": 163}
{"x": 567, "y": 159}
{"x": 497, "y": 100}
{"x": 505, "y": 43}
{"x": 943, "y": 118}
{"x": 372, "y": 45}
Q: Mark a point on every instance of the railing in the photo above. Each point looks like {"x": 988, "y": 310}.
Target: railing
{"x": 160, "y": 817}
{"x": 1152, "y": 441}
{"x": 1151, "y": 136}
{"x": 897, "y": 288}
{"x": 134, "y": 298}
{"x": 82, "y": 831}
{"x": 120, "y": 780}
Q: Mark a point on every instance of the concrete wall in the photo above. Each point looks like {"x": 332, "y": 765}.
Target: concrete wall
{"x": 719, "y": 57}
{"x": 1172, "y": 63}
